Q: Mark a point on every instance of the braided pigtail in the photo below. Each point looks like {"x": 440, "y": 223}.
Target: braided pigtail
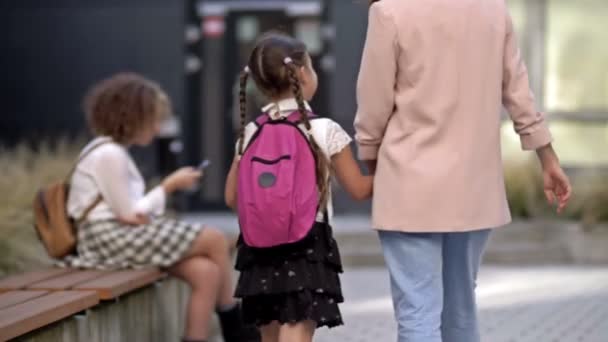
{"x": 322, "y": 164}
{"x": 243, "y": 108}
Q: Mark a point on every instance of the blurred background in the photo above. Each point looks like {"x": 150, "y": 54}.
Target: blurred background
{"x": 52, "y": 51}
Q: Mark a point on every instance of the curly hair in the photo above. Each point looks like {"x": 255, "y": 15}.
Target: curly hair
{"x": 123, "y": 105}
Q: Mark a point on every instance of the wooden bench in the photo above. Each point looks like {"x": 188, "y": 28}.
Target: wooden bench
{"x": 25, "y": 311}
{"x": 20, "y": 281}
{"x": 35, "y": 299}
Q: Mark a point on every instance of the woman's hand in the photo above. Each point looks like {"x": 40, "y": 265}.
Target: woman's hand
{"x": 182, "y": 179}
{"x": 555, "y": 181}
{"x": 556, "y": 186}
{"x": 138, "y": 220}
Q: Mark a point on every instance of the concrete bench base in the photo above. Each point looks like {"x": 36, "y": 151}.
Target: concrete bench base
{"x": 154, "y": 313}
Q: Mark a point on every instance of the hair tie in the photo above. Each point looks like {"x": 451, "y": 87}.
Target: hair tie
{"x": 287, "y": 60}
{"x": 247, "y": 70}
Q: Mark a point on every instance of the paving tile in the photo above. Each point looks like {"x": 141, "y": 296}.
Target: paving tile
{"x": 531, "y": 304}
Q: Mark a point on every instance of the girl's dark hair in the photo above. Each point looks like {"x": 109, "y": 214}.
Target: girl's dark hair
{"x": 273, "y": 65}
{"x": 372, "y": 1}
{"x": 124, "y": 104}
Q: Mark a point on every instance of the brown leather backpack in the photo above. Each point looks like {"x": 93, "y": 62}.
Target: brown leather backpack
{"x": 56, "y": 229}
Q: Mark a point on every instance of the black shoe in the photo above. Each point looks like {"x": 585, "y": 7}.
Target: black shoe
{"x": 244, "y": 334}
{"x": 234, "y": 329}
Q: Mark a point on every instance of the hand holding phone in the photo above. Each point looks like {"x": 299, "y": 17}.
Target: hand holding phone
{"x": 182, "y": 179}
{"x": 200, "y": 168}
{"x": 204, "y": 164}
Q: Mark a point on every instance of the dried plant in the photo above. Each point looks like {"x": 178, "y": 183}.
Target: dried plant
{"x": 24, "y": 169}
{"x": 523, "y": 181}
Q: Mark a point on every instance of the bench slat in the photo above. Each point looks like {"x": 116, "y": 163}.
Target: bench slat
{"x": 11, "y": 298}
{"x": 25, "y": 317}
{"x": 120, "y": 282}
{"x": 20, "y": 281}
{"x": 67, "y": 281}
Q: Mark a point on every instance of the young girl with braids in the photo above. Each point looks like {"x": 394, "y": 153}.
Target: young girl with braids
{"x": 289, "y": 290}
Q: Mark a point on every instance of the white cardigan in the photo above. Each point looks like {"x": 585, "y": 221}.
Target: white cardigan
{"x": 110, "y": 170}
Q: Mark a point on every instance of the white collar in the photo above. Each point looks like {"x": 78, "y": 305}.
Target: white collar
{"x": 283, "y": 108}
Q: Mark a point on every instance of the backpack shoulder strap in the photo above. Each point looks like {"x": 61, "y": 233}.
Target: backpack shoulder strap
{"x": 259, "y": 122}
{"x": 84, "y": 155}
{"x": 262, "y": 119}
{"x": 99, "y": 198}
{"x": 90, "y": 208}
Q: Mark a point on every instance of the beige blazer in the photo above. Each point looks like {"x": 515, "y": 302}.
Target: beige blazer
{"x": 433, "y": 77}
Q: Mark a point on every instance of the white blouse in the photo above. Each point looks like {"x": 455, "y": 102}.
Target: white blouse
{"x": 110, "y": 171}
{"x": 330, "y": 136}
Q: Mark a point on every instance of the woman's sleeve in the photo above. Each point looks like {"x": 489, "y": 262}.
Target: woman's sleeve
{"x": 376, "y": 82}
{"x": 154, "y": 202}
{"x": 517, "y": 96}
{"x": 111, "y": 174}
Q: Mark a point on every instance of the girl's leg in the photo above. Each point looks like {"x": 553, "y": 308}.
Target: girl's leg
{"x": 297, "y": 332}
{"x": 203, "y": 276}
{"x": 213, "y": 244}
{"x": 270, "y": 332}
{"x": 414, "y": 264}
{"x": 462, "y": 254}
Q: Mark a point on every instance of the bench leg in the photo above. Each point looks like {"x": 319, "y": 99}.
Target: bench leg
{"x": 82, "y": 326}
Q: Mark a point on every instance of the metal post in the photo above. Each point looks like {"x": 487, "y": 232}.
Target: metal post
{"x": 536, "y": 26}
{"x": 213, "y": 107}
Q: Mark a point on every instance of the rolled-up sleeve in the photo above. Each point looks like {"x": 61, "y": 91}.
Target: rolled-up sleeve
{"x": 518, "y": 99}
{"x": 154, "y": 202}
{"x": 376, "y": 82}
{"x": 112, "y": 177}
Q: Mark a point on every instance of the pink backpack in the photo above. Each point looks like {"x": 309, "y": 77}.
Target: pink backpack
{"x": 277, "y": 191}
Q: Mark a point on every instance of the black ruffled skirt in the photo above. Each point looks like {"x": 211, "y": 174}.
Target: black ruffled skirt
{"x": 292, "y": 283}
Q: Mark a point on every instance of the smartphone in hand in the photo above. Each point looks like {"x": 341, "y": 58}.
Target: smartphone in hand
{"x": 201, "y": 167}
{"x": 204, "y": 164}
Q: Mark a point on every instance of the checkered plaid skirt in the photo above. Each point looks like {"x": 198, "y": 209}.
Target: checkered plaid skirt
{"x": 110, "y": 244}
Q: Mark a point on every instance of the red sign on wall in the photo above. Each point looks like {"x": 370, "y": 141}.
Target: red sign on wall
{"x": 214, "y": 27}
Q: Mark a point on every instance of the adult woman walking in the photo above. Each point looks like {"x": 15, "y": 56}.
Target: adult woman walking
{"x": 433, "y": 77}
{"x": 124, "y": 227}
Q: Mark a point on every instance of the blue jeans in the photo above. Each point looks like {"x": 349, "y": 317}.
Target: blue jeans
{"x": 433, "y": 278}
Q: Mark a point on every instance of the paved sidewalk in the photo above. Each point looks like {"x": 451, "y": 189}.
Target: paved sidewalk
{"x": 532, "y": 304}
{"x": 517, "y": 303}
{"x": 228, "y": 222}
